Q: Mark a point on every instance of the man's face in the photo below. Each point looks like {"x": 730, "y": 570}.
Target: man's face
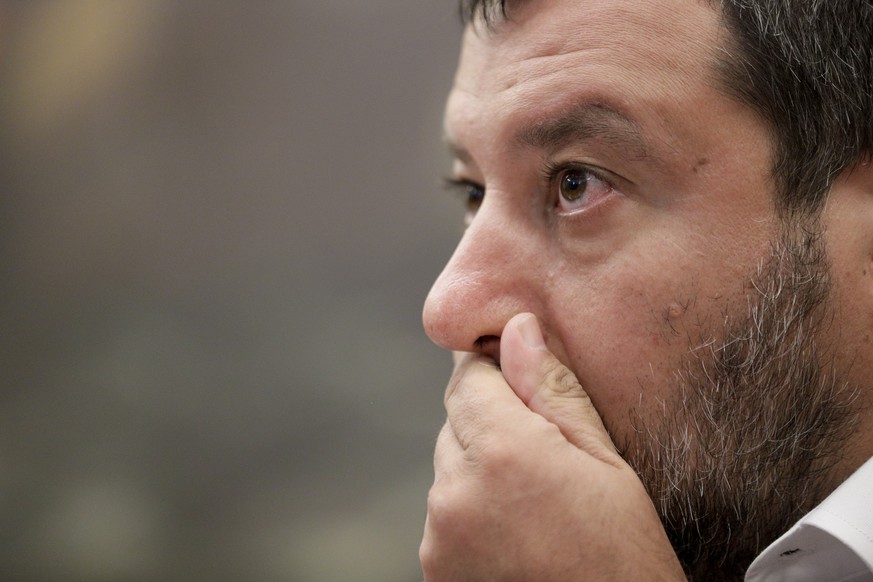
{"x": 627, "y": 199}
{"x": 629, "y": 204}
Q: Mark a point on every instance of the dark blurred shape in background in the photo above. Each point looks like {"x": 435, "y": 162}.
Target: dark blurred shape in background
{"x": 218, "y": 222}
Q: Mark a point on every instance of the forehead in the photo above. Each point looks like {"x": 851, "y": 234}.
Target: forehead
{"x": 550, "y": 54}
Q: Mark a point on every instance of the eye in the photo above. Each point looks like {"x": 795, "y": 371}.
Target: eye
{"x": 580, "y": 188}
{"x": 475, "y": 193}
{"x": 471, "y": 192}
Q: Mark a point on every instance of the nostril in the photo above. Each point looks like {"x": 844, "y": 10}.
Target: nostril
{"x": 488, "y": 345}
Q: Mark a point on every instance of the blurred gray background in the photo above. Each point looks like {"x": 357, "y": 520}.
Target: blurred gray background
{"x": 218, "y": 222}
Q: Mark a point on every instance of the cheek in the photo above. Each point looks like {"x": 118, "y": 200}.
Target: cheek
{"x": 627, "y": 318}
{"x": 627, "y": 332}
{"x": 624, "y": 346}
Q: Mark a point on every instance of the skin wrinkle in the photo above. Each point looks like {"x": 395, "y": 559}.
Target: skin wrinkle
{"x": 584, "y": 122}
{"x": 730, "y": 418}
{"x": 665, "y": 134}
{"x": 808, "y": 81}
{"x": 622, "y": 21}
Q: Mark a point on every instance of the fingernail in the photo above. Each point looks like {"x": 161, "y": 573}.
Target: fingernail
{"x": 531, "y": 333}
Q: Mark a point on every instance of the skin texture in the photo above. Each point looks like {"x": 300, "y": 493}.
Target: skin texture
{"x": 625, "y": 284}
{"x": 464, "y": 536}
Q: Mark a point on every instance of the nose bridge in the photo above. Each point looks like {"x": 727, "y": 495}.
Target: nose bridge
{"x": 485, "y": 283}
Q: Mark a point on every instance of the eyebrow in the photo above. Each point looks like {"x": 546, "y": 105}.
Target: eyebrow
{"x": 584, "y": 122}
{"x": 458, "y": 152}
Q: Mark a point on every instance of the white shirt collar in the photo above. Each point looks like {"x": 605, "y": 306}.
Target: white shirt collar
{"x": 832, "y": 543}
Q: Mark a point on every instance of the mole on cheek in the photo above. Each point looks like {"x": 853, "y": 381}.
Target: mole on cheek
{"x": 674, "y": 311}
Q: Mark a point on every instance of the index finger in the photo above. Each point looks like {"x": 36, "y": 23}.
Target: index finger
{"x": 478, "y": 399}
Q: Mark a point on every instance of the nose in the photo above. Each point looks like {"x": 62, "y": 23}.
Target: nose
{"x": 491, "y": 277}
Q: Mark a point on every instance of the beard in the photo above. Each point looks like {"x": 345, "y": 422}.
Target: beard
{"x": 748, "y": 445}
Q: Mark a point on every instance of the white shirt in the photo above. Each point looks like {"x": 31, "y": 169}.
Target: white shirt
{"x": 832, "y": 543}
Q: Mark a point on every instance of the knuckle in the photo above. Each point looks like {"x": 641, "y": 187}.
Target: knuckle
{"x": 561, "y": 380}
{"x": 427, "y": 556}
{"x": 452, "y": 388}
{"x": 449, "y": 511}
{"x": 458, "y": 383}
{"x": 444, "y": 508}
{"x": 435, "y": 504}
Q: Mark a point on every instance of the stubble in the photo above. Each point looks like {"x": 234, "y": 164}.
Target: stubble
{"x": 748, "y": 445}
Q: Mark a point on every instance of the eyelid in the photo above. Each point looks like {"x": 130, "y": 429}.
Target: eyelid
{"x": 464, "y": 188}
{"x": 452, "y": 183}
{"x": 590, "y": 198}
{"x": 554, "y": 169}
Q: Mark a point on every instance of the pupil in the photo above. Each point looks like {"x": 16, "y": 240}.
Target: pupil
{"x": 573, "y": 186}
{"x": 475, "y": 195}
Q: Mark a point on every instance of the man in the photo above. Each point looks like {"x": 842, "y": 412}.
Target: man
{"x": 662, "y": 306}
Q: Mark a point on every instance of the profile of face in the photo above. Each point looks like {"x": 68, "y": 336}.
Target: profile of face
{"x": 616, "y": 191}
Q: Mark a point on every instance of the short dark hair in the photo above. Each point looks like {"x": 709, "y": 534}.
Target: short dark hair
{"x": 806, "y": 66}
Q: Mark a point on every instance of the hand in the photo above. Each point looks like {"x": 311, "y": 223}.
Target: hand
{"x": 528, "y": 485}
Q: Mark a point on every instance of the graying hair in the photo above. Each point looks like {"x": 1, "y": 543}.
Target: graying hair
{"x": 760, "y": 418}
{"x": 806, "y": 67}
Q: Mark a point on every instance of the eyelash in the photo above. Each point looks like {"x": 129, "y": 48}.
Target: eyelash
{"x": 473, "y": 193}
{"x": 554, "y": 169}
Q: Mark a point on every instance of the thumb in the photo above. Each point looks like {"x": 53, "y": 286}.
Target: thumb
{"x": 551, "y": 389}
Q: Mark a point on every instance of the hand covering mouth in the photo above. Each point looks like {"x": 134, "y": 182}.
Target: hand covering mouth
{"x": 489, "y": 346}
